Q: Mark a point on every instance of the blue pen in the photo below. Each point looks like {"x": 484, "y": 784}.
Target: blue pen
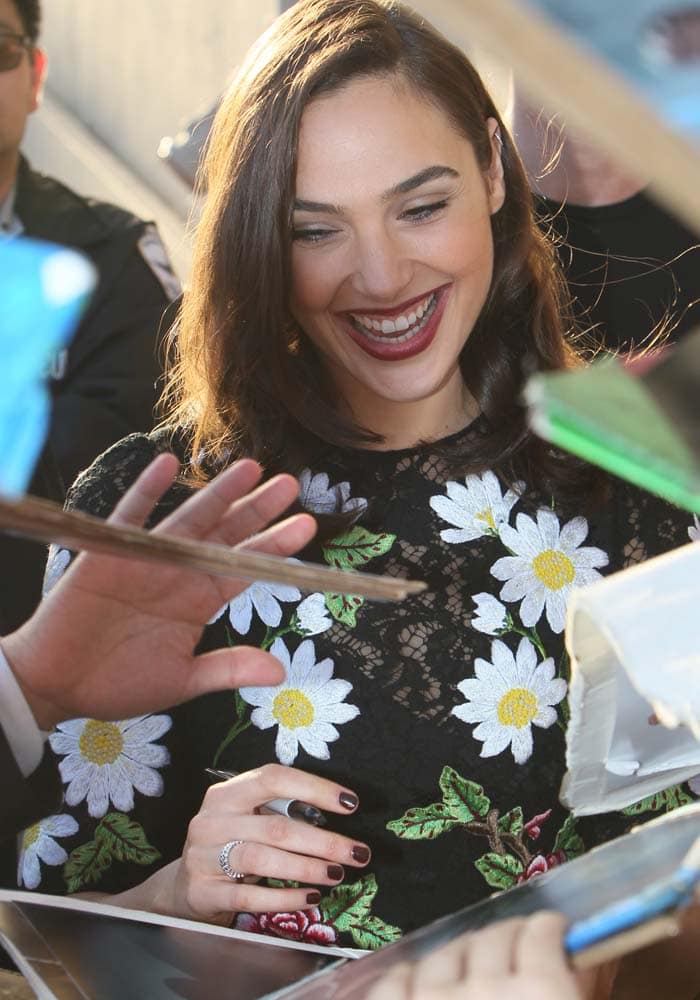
{"x": 664, "y": 896}
{"x": 294, "y": 808}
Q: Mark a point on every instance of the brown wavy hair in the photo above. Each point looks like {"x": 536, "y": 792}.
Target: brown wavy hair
{"x": 245, "y": 378}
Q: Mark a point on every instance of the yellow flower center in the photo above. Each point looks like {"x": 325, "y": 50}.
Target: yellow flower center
{"x": 101, "y": 742}
{"x": 31, "y": 835}
{"x": 292, "y": 709}
{"x": 518, "y": 707}
{"x": 487, "y": 515}
{"x": 554, "y": 568}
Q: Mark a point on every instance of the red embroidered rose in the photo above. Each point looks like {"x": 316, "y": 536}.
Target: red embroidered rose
{"x": 301, "y": 925}
{"x": 541, "y": 864}
{"x": 533, "y": 828}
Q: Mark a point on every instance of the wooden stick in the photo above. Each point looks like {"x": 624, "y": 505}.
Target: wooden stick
{"x": 591, "y": 94}
{"x": 47, "y": 522}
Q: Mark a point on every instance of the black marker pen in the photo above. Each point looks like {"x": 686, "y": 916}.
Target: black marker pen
{"x": 293, "y": 808}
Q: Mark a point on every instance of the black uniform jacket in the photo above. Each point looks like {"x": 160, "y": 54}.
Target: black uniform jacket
{"x": 103, "y": 385}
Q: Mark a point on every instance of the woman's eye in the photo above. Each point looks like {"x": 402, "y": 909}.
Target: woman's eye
{"x": 422, "y": 212}
{"x": 311, "y": 235}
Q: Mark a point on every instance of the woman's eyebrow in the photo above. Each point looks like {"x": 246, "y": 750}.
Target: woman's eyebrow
{"x": 403, "y": 187}
{"x": 422, "y": 177}
{"x": 302, "y": 205}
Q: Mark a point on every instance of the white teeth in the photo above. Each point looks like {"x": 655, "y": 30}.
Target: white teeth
{"x": 406, "y": 326}
{"x": 400, "y": 324}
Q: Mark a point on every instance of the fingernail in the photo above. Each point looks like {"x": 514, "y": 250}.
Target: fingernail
{"x": 313, "y": 897}
{"x": 336, "y": 872}
{"x": 348, "y": 800}
{"x": 360, "y": 854}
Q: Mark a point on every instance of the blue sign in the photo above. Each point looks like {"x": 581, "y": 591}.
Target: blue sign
{"x": 43, "y": 291}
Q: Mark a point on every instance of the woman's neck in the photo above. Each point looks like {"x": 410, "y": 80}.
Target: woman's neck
{"x": 405, "y": 424}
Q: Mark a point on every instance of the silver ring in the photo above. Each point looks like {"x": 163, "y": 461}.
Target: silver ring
{"x": 224, "y": 862}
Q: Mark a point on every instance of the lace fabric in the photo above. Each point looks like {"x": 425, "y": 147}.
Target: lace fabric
{"x": 450, "y": 715}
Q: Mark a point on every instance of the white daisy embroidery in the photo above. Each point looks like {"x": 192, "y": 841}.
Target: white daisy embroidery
{"x": 317, "y": 495}
{"x": 490, "y": 616}
{"x": 264, "y": 598}
{"x": 38, "y": 844}
{"x": 106, "y": 761}
{"x": 305, "y": 705}
{"x": 694, "y": 530}
{"x": 56, "y": 564}
{"x": 478, "y": 508}
{"x": 546, "y": 566}
{"x": 312, "y": 615}
{"x": 509, "y": 696}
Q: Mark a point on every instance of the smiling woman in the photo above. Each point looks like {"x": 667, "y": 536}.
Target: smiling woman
{"x": 392, "y": 264}
{"x": 368, "y": 294}
{"x": 391, "y": 187}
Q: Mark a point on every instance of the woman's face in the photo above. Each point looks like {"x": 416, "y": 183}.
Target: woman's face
{"x": 392, "y": 254}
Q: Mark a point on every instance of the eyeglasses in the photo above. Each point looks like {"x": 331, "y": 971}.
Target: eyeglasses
{"x": 12, "y": 48}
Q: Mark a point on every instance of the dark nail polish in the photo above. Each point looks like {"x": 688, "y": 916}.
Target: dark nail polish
{"x": 336, "y": 872}
{"x": 313, "y": 897}
{"x": 348, "y": 800}
{"x": 360, "y": 854}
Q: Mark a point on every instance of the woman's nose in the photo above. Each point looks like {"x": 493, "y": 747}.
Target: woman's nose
{"x": 382, "y": 271}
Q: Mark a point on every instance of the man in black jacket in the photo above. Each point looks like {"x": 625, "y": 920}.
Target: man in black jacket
{"x": 104, "y": 385}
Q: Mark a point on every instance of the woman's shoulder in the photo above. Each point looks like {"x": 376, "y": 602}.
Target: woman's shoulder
{"x": 99, "y": 488}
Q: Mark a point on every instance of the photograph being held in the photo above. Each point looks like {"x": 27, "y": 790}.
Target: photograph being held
{"x": 369, "y": 293}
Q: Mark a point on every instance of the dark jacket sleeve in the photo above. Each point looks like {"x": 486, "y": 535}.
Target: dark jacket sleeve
{"x": 25, "y": 800}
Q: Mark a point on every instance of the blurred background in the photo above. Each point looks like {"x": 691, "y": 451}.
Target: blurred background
{"x": 122, "y": 75}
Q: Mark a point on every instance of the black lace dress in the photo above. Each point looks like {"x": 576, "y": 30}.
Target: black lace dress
{"x": 445, "y": 713}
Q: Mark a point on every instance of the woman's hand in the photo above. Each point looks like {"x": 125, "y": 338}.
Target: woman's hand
{"x": 273, "y": 846}
{"x": 116, "y": 637}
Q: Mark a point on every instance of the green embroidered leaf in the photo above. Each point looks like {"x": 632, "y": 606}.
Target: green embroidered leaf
{"x": 374, "y": 933}
{"x": 500, "y": 870}
{"x": 356, "y": 547}
{"x": 85, "y": 865}
{"x": 568, "y": 840}
{"x": 668, "y": 799}
{"x": 344, "y": 607}
{"x": 348, "y": 905}
{"x": 125, "y": 839}
{"x": 423, "y": 823}
{"x": 464, "y": 800}
{"x": 511, "y": 822}
{"x": 275, "y": 883}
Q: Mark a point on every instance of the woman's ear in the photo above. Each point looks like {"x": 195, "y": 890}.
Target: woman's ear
{"x": 495, "y": 179}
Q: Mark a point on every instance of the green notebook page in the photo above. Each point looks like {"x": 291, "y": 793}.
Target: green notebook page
{"x": 608, "y": 417}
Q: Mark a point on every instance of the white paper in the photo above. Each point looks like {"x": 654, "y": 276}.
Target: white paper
{"x": 634, "y": 642}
